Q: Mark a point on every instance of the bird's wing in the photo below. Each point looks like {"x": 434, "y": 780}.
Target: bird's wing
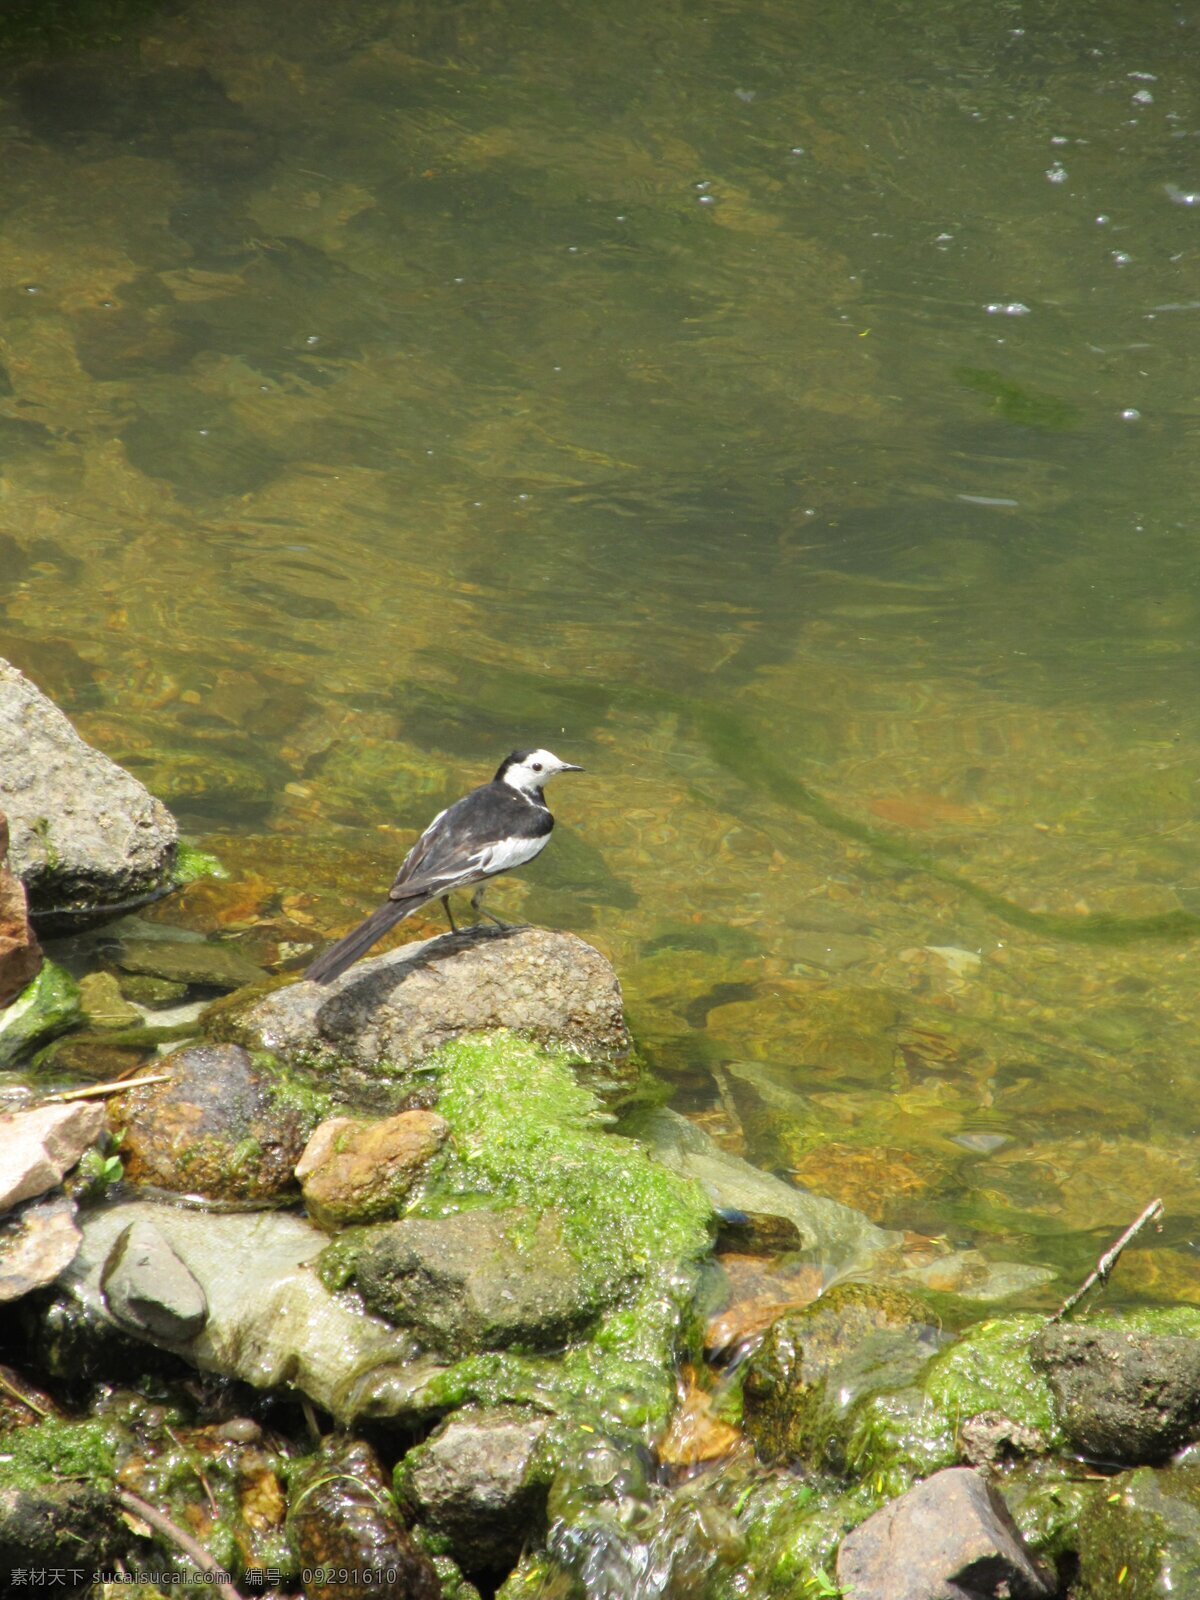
{"x": 451, "y": 854}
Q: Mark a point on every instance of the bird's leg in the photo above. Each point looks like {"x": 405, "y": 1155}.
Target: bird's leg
{"x": 450, "y": 914}
{"x": 477, "y": 906}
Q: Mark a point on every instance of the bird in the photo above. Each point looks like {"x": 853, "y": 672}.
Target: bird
{"x": 496, "y": 828}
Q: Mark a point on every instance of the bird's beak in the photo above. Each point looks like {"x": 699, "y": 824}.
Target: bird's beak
{"x": 569, "y": 766}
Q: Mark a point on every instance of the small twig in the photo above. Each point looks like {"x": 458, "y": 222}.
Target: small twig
{"x": 193, "y": 1462}
{"x": 116, "y": 1086}
{"x": 11, "y": 1388}
{"x": 196, "y": 1553}
{"x": 1109, "y": 1259}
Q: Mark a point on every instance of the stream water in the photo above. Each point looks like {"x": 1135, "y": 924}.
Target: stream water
{"x": 787, "y": 412}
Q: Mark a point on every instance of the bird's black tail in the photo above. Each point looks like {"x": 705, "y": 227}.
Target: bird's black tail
{"x": 359, "y": 940}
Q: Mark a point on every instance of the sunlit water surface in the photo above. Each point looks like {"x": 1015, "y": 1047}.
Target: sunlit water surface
{"x": 788, "y": 412}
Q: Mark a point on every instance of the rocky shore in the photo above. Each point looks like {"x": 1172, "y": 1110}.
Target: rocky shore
{"x": 411, "y": 1285}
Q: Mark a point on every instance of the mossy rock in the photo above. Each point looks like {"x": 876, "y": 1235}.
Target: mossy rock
{"x": 895, "y": 1436}
{"x": 46, "y": 1007}
{"x": 527, "y": 1137}
{"x": 813, "y": 1363}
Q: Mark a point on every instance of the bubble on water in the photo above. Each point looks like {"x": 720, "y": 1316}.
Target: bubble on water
{"x": 1056, "y": 173}
{"x": 1143, "y": 97}
{"x": 1131, "y": 414}
{"x": 1121, "y": 258}
{"x": 1007, "y": 308}
{"x": 1182, "y": 197}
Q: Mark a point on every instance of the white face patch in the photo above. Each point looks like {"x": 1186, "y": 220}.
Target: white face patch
{"x": 533, "y": 772}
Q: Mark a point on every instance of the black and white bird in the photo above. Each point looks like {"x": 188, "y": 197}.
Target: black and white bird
{"x": 497, "y": 827}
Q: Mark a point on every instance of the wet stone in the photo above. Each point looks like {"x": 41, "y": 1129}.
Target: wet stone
{"x": 38, "y": 1146}
{"x": 20, "y": 953}
{"x": 389, "y": 1013}
{"x": 46, "y": 1007}
{"x": 37, "y": 1241}
{"x": 188, "y": 961}
{"x": 342, "y": 1520}
{"x": 854, "y": 1335}
{"x": 86, "y": 835}
{"x": 68, "y": 1528}
{"x": 471, "y": 1483}
{"x": 219, "y": 1128}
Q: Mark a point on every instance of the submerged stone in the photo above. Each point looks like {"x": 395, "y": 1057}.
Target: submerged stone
{"x": 188, "y": 961}
{"x": 840, "y": 1237}
{"x": 1140, "y": 1538}
{"x": 103, "y": 1004}
{"x": 343, "y": 1523}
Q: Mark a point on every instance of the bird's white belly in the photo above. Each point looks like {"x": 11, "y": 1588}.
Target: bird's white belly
{"x": 507, "y": 854}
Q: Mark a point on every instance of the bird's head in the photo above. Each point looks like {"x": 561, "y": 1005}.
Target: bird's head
{"x": 528, "y": 770}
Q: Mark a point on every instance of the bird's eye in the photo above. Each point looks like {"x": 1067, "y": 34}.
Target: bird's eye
{"x": 537, "y": 766}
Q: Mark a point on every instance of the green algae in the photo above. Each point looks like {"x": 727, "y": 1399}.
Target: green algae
{"x": 526, "y": 1134}
{"x": 53, "y": 1449}
{"x": 1139, "y": 1536}
{"x": 192, "y": 863}
{"x": 895, "y": 1436}
{"x": 47, "y": 1006}
{"x": 1029, "y": 408}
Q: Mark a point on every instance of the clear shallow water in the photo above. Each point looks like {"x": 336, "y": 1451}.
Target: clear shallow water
{"x": 788, "y": 414}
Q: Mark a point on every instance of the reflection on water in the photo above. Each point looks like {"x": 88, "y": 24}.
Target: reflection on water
{"x": 785, "y": 412}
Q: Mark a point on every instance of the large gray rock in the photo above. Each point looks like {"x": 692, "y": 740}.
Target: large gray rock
{"x": 949, "y": 1538}
{"x": 86, "y": 835}
{"x": 477, "y": 1280}
{"x": 1120, "y": 1395}
{"x": 365, "y": 1033}
{"x": 271, "y": 1322}
{"x": 471, "y": 1483}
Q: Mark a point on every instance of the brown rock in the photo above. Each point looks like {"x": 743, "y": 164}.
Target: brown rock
{"x": 221, "y": 1128}
{"x": 20, "y": 953}
{"x": 353, "y": 1171}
